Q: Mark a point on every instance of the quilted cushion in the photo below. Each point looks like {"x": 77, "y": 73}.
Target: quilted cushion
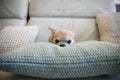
{"x": 46, "y": 60}
{"x": 109, "y": 27}
{"x": 14, "y": 37}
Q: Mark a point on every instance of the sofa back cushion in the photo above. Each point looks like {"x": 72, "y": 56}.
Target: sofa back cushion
{"x": 78, "y": 15}
{"x": 13, "y": 9}
{"x": 70, "y": 8}
{"x": 84, "y": 29}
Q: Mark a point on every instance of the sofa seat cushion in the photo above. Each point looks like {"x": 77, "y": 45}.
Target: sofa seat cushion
{"x": 46, "y": 60}
{"x": 11, "y": 22}
{"x": 84, "y": 29}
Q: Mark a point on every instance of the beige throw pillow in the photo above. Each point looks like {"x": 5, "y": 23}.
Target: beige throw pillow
{"x": 14, "y": 37}
{"x": 109, "y": 27}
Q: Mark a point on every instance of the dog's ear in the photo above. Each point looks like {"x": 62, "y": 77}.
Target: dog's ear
{"x": 52, "y": 29}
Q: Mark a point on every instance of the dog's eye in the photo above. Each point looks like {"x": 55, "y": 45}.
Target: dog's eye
{"x": 57, "y": 41}
{"x": 69, "y": 41}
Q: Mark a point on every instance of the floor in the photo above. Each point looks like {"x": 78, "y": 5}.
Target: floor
{"x": 10, "y": 76}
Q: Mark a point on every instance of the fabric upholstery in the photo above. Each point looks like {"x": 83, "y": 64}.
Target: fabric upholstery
{"x": 14, "y": 37}
{"x": 76, "y": 14}
{"x": 109, "y": 27}
{"x": 84, "y": 29}
{"x": 13, "y": 9}
{"x": 70, "y": 8}
{"x": 46, "y": 60}
{"x": 11, "y": 76}
{"x": 11, "y": 22}
{"x": 13, "y": 13}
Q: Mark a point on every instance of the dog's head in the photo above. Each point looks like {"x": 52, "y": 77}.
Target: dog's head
{"x": 61, "y": 37}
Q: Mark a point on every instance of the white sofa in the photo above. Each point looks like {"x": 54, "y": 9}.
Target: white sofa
{"x": 13, "y": 13}
{"x": 79, "y": 15}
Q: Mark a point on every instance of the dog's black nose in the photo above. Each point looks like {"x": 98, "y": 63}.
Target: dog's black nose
{"x": 62, "y": 45}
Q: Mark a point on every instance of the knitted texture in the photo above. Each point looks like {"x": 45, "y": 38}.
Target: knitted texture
{"x": 46, "y": 60}
{"x": 14, "y": 37}
{"x": 109, "y": 27}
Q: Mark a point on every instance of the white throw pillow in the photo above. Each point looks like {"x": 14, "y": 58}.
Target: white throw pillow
{"x": 14, "y": 37}
{"x": 109, "y": 27}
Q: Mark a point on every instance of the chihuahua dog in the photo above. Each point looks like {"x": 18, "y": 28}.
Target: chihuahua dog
{"x": 61, "y": 37}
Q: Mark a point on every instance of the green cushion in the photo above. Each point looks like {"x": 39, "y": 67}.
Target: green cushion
{"x": 46, "y": 60}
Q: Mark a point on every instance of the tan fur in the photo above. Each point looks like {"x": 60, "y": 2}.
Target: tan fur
{"x": 61, "y": 33}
